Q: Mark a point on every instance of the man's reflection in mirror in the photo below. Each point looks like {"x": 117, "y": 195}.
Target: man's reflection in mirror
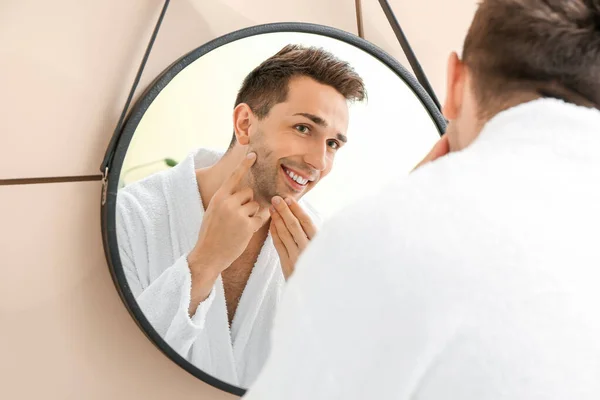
{"x": 208, "y": 245}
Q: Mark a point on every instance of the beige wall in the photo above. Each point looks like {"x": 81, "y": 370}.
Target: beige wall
{"x": 65, "y": 70}
{"x": 433, "y": 28}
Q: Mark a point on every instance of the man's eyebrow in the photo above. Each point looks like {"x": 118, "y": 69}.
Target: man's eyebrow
{"x": 321, "y": 122}
{"x": 315, "y": 118}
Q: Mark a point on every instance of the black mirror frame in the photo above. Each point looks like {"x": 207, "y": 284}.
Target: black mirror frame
{"x": 123, "y": 138}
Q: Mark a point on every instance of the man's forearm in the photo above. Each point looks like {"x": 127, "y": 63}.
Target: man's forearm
{"x": 204, "y": 274}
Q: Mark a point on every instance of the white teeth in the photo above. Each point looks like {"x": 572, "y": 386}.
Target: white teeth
{"x": 297, "y": 178}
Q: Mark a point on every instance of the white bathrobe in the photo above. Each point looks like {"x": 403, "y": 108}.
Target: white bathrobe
{"x": 475, "y": 278}
{"x": 158, "y": 222}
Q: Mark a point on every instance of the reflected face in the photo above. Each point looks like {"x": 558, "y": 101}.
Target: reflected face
{"x": 297, "y": 141}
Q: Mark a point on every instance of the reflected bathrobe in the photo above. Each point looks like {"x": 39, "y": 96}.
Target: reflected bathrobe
{"x": 158, "y": 222}
{"x": 477, "y": 277}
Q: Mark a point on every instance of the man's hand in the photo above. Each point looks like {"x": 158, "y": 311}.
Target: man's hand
{"x": 231, "y": 219}
{"x": 291, "y": 229}
{"x": 441, "y": 148}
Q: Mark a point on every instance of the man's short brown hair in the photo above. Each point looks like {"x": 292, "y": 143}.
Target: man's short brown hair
{"x": 548, "y": 46}
{"x": 267, "y": 84}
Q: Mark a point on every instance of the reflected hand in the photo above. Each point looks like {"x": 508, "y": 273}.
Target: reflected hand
{"x": 291, "y": 229}
{"x": 231, "y": 219}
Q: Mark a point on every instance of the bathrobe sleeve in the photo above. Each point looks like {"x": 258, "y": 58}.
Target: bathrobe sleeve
{"x": 163, "y": 297}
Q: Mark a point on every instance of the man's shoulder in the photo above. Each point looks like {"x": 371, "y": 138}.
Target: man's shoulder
{"x": 153, "y": 187}
{"x": 452, "y": 178}
{"x": 146, "y": 189}
{"x": 426, "y": 204}
{"x": 145, "y": 201}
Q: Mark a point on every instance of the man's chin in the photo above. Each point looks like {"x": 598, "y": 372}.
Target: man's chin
{"x": 283, "y": 192}
{"x": 263, "y": 201}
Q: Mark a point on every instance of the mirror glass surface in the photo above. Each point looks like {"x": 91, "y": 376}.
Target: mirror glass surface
{"x": 213, "y": 303}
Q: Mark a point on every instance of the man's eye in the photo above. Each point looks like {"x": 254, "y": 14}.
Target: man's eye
{"x": 302, "y": 128}
{"x": 334, "y": 144}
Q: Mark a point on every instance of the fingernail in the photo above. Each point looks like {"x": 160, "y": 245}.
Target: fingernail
{"x": 250, "y": 155}
{"x": 276, "y": 200}
{"x": 288, "y": 201}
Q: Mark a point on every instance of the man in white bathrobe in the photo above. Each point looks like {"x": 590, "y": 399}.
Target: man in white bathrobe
{"x": 476, "y": 277}
{"x": 207, "y": 246}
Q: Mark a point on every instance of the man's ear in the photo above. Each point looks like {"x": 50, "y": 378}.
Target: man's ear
{"x": 242, "y": 120}
{"x": 455, "y": 83}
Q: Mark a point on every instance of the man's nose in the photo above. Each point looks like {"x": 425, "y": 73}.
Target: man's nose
{"x": 317, "y": 157}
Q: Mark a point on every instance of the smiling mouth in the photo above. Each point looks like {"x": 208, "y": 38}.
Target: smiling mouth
{"x": 296, "y": 181}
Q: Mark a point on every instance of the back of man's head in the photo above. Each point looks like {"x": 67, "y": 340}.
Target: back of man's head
{"x": 549, "y": 47}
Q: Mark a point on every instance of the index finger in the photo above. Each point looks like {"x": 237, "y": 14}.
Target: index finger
{"x": 305, "y": 221}
{"x": 231, "y": 183}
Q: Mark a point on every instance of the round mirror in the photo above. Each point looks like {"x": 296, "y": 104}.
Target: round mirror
{"x": 198, "y": 250}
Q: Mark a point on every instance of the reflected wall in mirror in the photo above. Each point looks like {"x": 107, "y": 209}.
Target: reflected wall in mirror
{"x": 203, "y": 249}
